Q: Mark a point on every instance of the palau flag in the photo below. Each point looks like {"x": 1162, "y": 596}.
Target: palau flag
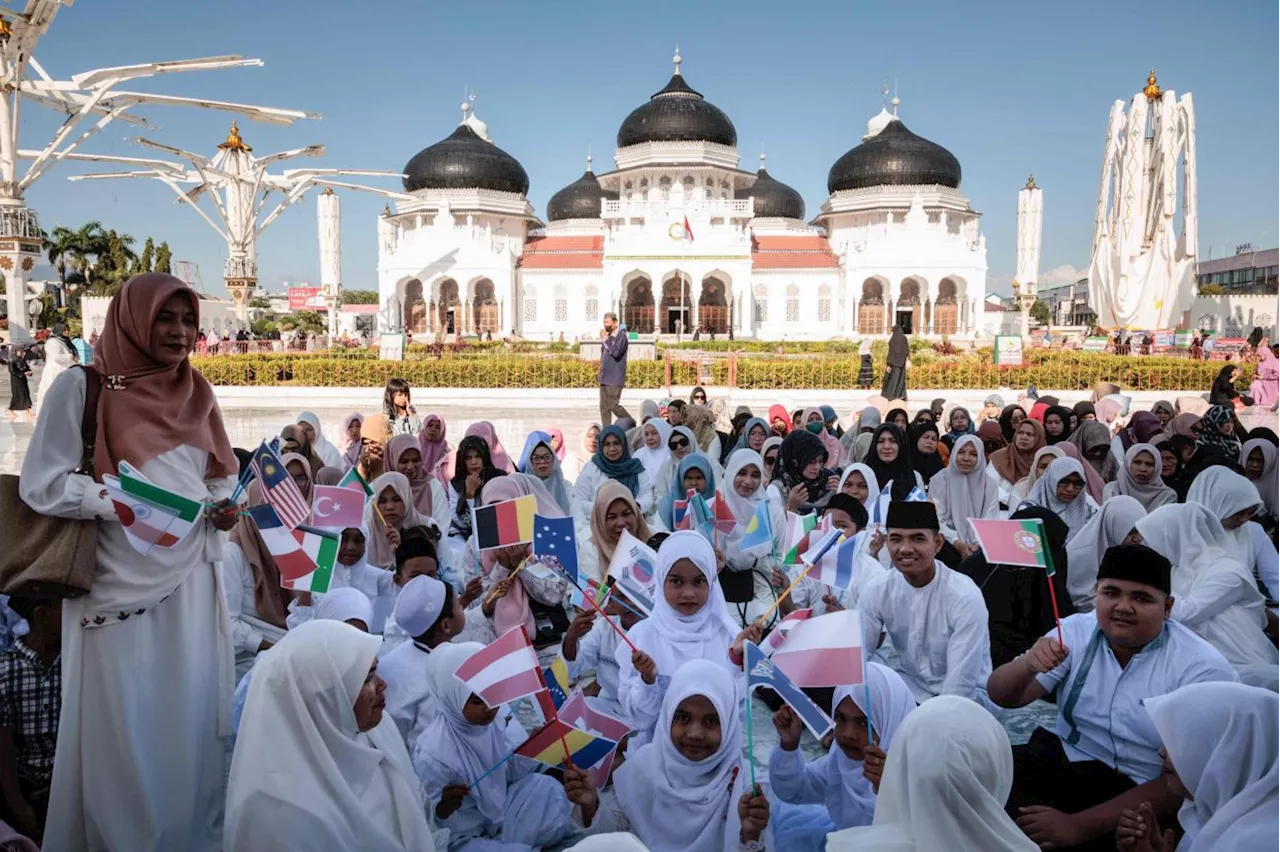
{"x": 759, "y": 532}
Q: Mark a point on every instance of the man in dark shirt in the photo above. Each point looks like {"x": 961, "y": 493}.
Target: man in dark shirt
{"x": 613, "y": 370}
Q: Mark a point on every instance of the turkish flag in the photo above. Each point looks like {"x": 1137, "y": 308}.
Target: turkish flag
{"x": 334, "y": 507}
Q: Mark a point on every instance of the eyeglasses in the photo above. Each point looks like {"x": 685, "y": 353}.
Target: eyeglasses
{"x": 677, "y": 444}
{"x": 699, "y": 398}
{"x": 541, "y": 458}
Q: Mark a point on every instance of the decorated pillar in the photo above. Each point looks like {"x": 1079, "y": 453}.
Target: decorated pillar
{"x": 1027, "y": 266}
{"x": 329, "y": 214}
{"x": 20, "y": 247}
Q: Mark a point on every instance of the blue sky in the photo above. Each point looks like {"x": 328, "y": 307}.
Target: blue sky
{"x": 1010, "y": 88}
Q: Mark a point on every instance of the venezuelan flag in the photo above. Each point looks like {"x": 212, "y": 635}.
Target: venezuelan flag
{"x": 556, "y": 676}
{"x": 506, "y": 523}
{"x": 548, "y": 744}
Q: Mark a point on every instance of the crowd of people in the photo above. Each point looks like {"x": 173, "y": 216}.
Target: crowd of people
{"x": 347, "y": 726}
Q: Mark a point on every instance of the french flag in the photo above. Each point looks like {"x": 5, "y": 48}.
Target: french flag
{"x": 503, "y": 671}
{"x": 823, "y": 651}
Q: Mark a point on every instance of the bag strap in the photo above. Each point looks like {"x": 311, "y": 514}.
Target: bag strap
{"x": 89, "y": 418}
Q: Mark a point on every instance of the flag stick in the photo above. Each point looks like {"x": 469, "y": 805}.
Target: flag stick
{"x": 751, "y": 749}
{"x": 591, "y": 600}
{"x": 866, "y": 685}
{"x": 242, "y": 483}
{"x": 492, "y": 769}
{"x": 1048, "y": 576}
{"x": 783, "y": 596}
{"x": 567, "y": 757}
{"x": 493, "y": 596}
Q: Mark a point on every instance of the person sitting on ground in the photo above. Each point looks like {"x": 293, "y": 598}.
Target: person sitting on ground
{"x": 30, "y": 703}
{"x": 590, "y": 646}
{"x": 1071, "y": 785}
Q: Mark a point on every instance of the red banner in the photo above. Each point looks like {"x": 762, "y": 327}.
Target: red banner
{"x": 306, "y": 299}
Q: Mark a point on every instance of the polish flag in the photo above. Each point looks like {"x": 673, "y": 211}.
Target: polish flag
{"x": 504, "y": 670}
{"x": 779, "y": 633}
{"x": 823, "y": 651}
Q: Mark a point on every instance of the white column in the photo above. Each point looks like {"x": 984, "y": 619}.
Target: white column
{"x": 1027, "y": 266}
{"x": 329, "y": 217}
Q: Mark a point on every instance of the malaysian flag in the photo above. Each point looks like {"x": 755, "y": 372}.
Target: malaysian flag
{"x": 278, "y": 487}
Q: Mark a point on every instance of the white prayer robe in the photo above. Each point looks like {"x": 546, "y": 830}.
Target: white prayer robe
{"x": 939, "y": 632}
{"x": 589, "y": 482}
{"x": 597, "y": 652}
{"x": 147, "y": 662}
{"x": 1100, "y": 712}
{"x": 377, "y": 584}
{"x": 57, "y": 358}
{"x": 248, "y": 629}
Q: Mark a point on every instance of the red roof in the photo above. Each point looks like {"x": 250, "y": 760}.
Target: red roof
{"x": 792, "y": 253}
{"x": 993, "y": 308}
{"x": 563, "y": 253}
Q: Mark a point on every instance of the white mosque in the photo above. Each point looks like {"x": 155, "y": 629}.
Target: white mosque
{"x": 677, "y": 236}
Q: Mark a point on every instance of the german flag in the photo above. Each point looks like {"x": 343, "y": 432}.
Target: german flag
{"x": 506, "y": 523}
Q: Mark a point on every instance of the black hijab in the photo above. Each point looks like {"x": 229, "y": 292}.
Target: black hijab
{"x": 1064, "y": 414}
{"x": 1018, "y": 601}
{"x": 797, "y": 452}
{"x": 1006, "y": 421}
{"x": 925, "y": 465}
{"x": 899, "y": 348}
{"x": 899, "y": 470}
{"x": 459, "y": 481}
{"x": 1224, "y": 390}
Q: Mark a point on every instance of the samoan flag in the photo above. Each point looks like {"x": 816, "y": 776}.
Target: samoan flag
{"x": 761, "y": 671}
{"x": 554, "y": 538}
{"x": 278, "y": 487}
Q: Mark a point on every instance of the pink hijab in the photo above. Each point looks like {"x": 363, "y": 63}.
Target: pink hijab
{"x": 433, "y": 451}
{"x": 419, "y": 485}
{"x": 350, "y": 449}
{"x": 1092, "y": 481}
{"x": 484, "y": 430}
{"x": 513, "y": 607}
{"x": 557, "y": 438}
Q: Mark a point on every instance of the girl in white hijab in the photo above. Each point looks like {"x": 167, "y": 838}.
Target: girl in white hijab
{"x": 1233, "y": 501}
{"x": 514, "y": 809}
{"x": 678, "y": 630}
{"x": 1221, "y": 741}
{"x": 962, "y": 495}
{"x": 945, "y": 784}
{"x": 837, "y": 780}
{"x": 745, "y": 472}
{"x": 1152, "y": 493}
{"x": 317, "y": 765}
{"x": 328, "y": 453}
{"x": 653, "y": 452}
{"x": 1105, "y": 530}
{"x": 1023, "y": 486}
{"x": 868, "y": 492}
{"x": 1076, "y": 512}
{"x": 1214, "y": 594}
{"x": 673, "y": 795}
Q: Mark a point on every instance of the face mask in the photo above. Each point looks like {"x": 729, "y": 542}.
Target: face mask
{"x": 814, "y": 427}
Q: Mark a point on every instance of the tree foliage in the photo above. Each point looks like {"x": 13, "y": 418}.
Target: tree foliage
{"x": 359, "y": 297}
{"x": 164, "y": 259}
{"x": 1040, "y": 313}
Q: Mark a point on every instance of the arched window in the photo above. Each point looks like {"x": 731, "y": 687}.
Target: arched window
{"x": 591, "y": 304}
{"x": 824, "y": 303}
{"x": 793, "y": 303}
{"x": 562, "y": 305}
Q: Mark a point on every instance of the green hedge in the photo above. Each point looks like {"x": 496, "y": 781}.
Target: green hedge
{"x": 1056, "y": 369}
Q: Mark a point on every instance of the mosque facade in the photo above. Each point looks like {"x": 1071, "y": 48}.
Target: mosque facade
{"x": 677, "y": 236}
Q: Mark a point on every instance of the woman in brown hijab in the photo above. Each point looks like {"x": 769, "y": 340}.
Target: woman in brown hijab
{"x": 1014, "y": 462}
{"x": 294, "y": 440}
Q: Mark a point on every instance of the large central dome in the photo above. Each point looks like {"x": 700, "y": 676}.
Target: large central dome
{"x": 677, "y": 114}
{"x": 465, "y": 160}
{"x": 894, "y": 157}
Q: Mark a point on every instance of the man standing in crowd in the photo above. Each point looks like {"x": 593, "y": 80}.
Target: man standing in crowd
{"x": 613, "y": 369}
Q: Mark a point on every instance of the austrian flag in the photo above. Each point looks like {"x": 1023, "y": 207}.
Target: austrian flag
{"x": 503, "y": 670}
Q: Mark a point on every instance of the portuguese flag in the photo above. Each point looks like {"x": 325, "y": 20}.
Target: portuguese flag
{"x": 1015, "y": 542}
{"x": 506, "y": 523}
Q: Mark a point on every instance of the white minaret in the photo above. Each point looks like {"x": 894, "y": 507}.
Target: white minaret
{"x": 1027, "y": 263}
{"x": 329, "y": 214}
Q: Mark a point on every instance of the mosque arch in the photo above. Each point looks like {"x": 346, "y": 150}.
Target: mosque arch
{"x": 637, "y": 303}
{"x": 713, "y": 303}
{"x": 910, "y": 301}
{"x": 484, "y": 306}
{"x": 675, "y": 313}
{"x": 946, "y": 310}
{"x": 414, "y": 307}
{"x": 445, "y": 313}
{"x": 871, "y": 310}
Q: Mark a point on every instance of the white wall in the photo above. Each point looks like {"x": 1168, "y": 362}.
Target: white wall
{"x": 1234, "y": 315}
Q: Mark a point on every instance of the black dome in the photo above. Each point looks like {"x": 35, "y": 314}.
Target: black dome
{"x": 774, "y": 199}
{"x": 463, "y": 160}
{"x": 579, "y": 200}
{"x": 894, "y": 157}
{"x": 677, "y": 114}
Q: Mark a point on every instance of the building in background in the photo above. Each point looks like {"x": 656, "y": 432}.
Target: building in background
{"x": 1069, "y": 303}
{"x": 1245, "y": 272}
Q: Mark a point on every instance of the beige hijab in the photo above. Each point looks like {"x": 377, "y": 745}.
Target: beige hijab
{"x": 610, "y": 492}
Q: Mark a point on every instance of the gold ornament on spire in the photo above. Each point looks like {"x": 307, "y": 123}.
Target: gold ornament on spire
{"x": 6, "y": 30}
{"x": 1152, "y": 89}
{"x": 234, "y": 142}
{"x": 1031, "y": 182}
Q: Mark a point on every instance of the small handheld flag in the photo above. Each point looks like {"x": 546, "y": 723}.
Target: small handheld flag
{"x": 334, "y": 507}
{"x": 287, "y": 550}
{"x": 758, "y": 535}
{"x": 278, "y": 487}
{"x": 558, "y": 742}
{"x": 554, "y": 537}
{"x": 761, "y": 671}
{"x": 823, "y": 651}
{"x": 725, "y": 520}
{"x": 824, "y": 545}
{"x": 1019, "y": 542}
{"x": 635, "y": 562}
{"x": 797, "y": 538}
{"x": 151, "y": 516}
{"x": 503, "y": 670}
{"x": 837, "y": 567}
{"x": 321, "y": 546}
{"x": 577, "y": 712}
{"x": 780, "y": 630}
{"x": 356, "y": 482}
{"x": 506, "y": 523}
{"x": 556, "y": 677}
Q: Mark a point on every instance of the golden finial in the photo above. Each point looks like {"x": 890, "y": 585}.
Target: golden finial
{"x": 328, "y": 190}
{"x": 1152, "y": 90}
{"x": 1031, "y": 182}
{"x": 234, "y": 142}
{"x": 6, "y": 29}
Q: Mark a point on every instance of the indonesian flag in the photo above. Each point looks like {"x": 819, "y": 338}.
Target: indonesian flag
{"x": 822, "y": 651}
{"x": 688, "y": 232}
{"x": 503, "y": 670}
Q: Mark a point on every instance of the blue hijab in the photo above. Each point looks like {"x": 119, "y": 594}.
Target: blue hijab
{"x": 626, "y": 470}
{"x": 555, "y": 483}
{"x": 667, "y": 511}
{"x": 746, "y": 432}
{"x": 828, "y": 414}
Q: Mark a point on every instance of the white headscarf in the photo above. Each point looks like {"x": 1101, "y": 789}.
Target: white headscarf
{"x": 1226, "y": 492}
{"x": 653, "y": 460}
{"x": 670, "y": 638}
{"x": 971, "y": 495}
{"x": 303, "y": 775}
{"x": 345, "y": 604}
{"x": 945, "y": 784}
{"x": 1104, "y": 531}
{"x": 873, "y": 484}
{"x": 1045, "y": 494}
{"x": 743, "y": 507}
{"x": 1221, "y": 739}
{"x": 1266, "y": 484}
{"x": 328, "y": 453}
{"x": 460, "y": 749}
{"x": 850, "y": 796}
{"x": 676, "y": 804}
{"x": 1153, "y": 494}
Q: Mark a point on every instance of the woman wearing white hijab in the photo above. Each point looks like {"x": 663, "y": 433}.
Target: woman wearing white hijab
{"x": 1075, "y": 512}
{"x": 317, "y": 765}
{"x": 653, "y": 452}
{"x": 1233, "y": 501}
{"x": 1214, "y": 594}
{"x": 744, "y": 471}
{"x": 1023, "y": 486}
{"x": 675, "y": 803}
{"x": 670, "y": 637}
{"x": 1265, "y": 480}
{"x": 327, "y": 452}
{"x": 1152, "y": 493}
{"x": 871, "y": 485}
{"x": 1221, "y": 741}
{"x": 836, "y": 780}
{"x": 962, "y": 495}
{"x": 945, "y": 784}
{"x": 1105, "y": 530}
{"x": 516, "y": 808}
